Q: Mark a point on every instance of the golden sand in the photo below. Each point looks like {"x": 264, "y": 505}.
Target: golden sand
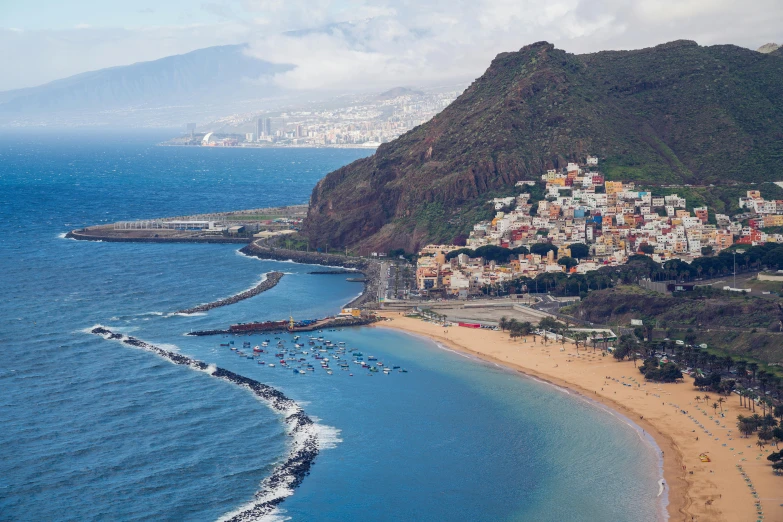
{"x": 705, "y": 491}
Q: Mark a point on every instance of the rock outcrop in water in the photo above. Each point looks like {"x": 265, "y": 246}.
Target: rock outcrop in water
{"x": 302, "y": 452}
{"x": 270, "y": 281}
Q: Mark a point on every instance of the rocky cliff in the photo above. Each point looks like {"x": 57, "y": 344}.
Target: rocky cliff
{"x": 677, "y": 112}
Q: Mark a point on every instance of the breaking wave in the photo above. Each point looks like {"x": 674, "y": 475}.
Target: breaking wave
{"x": 307, "y": 437}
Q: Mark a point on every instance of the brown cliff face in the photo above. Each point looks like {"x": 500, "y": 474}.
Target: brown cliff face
{"x": 676, "y": 112}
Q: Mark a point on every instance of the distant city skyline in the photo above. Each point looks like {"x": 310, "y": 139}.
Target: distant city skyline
{"x": 355, "y": 43}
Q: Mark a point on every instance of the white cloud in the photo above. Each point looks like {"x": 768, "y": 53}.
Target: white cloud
{"x": 347, "y": 44}
{"x": 432, "y": 40}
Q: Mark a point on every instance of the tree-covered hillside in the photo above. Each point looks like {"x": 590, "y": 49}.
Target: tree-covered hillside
{"x": 677, "y": 112}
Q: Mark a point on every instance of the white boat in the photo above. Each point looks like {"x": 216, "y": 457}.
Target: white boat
{"x": 271, "y": 365}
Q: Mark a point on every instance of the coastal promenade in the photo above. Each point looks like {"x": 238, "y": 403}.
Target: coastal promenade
{"x": 683, "y": 428}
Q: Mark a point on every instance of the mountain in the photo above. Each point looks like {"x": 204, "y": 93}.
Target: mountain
{"x": 398, "y": 91}
{"x": 206, "y": 74}
{"x": 768, "y": 48}
{"x": 677, "y": 112}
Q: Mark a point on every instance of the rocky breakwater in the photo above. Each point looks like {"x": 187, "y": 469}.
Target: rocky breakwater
{"x": 370, "y": 268}
{"x": 109, "y": 235}
{"x": 270, "y": 280}
{"x": 303, "y": 449}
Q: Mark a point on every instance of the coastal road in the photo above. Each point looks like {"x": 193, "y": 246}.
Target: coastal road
{"x": 383, "y": 285}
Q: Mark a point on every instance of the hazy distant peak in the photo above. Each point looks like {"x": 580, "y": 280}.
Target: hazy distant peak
{"x": 768, "y": 48}
{"x": 398, "y": 91}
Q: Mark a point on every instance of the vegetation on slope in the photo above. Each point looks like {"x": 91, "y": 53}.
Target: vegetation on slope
{"x": 675, "y": 113}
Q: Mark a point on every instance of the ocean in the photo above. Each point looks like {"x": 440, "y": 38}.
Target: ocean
{"x": 94, "y": 429}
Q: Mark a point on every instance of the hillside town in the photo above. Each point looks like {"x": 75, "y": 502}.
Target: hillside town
{"x": 350, "y": 121}
{"x": 584, "y": 222}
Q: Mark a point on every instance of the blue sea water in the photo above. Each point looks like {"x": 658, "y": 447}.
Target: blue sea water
{"x": 95, "y": 430}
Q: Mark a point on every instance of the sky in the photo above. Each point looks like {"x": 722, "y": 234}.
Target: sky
{"x": 352, "y": 44}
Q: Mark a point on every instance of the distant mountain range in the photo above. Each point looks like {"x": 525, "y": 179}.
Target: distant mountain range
{"x": 215, "y": 73}
{"x": 673, "y": 113}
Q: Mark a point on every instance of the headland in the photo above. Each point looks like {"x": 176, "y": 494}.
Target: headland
{"x": 684, "y": 428}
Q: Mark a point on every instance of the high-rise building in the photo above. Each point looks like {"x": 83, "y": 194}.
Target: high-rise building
{"x": 191, "y": 129}
{"x": 264, "y": 127}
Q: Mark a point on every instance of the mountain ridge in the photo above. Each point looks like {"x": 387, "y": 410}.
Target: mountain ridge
{"x": 182, "y": 78}
{"x": 677, "y": 112}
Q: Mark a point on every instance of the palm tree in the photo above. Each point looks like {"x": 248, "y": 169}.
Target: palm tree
{"x": 742, "y": 370}
{"x": 706, "y": 398}
{"x": 753, "y": 367}
{"x": 721, "y": 400}
{"x": 503, "y": 323}
{"x": 760, "y": 444}
{"x": 715, "y": 406}
{"x": 697, "y": 398}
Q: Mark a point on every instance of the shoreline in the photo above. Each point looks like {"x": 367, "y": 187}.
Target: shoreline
{"x": 713, "y": 491}
{"x": 645, "y": 430}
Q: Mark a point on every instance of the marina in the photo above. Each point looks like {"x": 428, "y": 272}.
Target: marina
{"x": 285, "y": 352}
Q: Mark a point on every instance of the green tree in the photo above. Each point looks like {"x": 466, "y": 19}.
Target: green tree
{"x": 579, "y": 250}
{"x": 567, "y": 262}
{"x": 542, "y": 248}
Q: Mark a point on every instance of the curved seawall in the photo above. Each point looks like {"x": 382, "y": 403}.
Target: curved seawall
{"x": 90, "y": 235}
{"x": 270, "y": 281}
{"x": 305, "y": 443}
{"x": 370, "y": 268}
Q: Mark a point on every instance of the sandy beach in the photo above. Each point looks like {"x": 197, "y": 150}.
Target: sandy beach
{"x": 719, "y": 490}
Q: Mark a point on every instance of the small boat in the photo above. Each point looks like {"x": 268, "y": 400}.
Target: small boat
{"x": 233, "y": 348}
{"x": 261, "y": 362}
{"x": 271, "y": 365}
{"x": 403, "y": 370}
{"x": 372, "y": 358}
{"x": 257, "y": 349}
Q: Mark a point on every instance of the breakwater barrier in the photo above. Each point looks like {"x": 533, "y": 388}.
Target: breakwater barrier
{"x": 281, "y": 326}
{"x": 270, "y": 281}
{"x": 83, "y": 235}
{"x": 370, "y": 268}
{"x": 303, "y": 449}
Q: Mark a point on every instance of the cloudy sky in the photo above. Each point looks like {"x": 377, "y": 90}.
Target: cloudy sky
{"x": 339, "y": 44}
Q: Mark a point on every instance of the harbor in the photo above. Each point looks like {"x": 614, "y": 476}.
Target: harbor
{"x": 305, "y": 356}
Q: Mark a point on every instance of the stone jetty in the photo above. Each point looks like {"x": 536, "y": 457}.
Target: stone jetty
{"x": 272, "y": 278}
{"x": 303, "y": 432}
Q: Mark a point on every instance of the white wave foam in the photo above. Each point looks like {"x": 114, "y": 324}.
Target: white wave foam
{"x": 305, "y": 436}
{"x": 169, "y": 347}
{"x": 183, "y": 314}
{"x": 62, "y": 235}
{"x": 328, "y": 436}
